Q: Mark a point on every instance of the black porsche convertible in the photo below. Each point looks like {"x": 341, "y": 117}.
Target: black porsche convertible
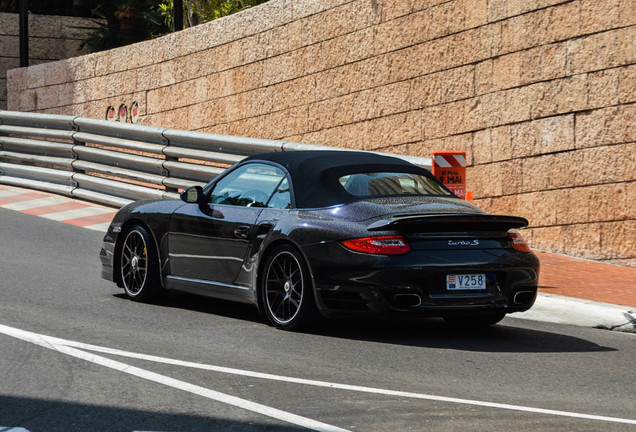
{"x": 307, "y": 234}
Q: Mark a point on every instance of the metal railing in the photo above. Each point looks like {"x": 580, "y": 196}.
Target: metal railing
{"x": 115, "y": 163}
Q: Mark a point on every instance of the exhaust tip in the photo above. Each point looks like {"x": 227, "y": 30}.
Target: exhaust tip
{"x": 408, "y": 300}
{"x": 524, "y": 297}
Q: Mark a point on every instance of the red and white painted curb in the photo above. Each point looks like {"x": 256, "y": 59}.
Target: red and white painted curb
{"x": 92, "y": 216}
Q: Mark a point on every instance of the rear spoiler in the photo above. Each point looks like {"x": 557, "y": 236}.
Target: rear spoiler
{"x": 450, "y": 223}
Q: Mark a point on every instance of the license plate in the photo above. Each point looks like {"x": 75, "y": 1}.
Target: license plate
{"x": 465, "y": 282}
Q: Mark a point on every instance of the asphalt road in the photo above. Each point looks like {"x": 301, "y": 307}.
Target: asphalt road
{"x": 76, "y": 356}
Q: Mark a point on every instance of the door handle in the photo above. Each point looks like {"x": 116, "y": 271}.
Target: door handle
{"x": 242, "y": 232}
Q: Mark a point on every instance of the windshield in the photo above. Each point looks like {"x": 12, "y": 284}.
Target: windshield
{"x": 391, "y": 183}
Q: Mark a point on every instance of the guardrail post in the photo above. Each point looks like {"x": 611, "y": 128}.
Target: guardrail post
{"x": 166, "y": 171}
{"x": 74, "y": 154}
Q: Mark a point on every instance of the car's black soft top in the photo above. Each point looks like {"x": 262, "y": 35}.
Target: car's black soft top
{"x": 315, "y": 173}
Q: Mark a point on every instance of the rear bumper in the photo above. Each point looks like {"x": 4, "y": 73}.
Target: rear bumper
{"x": 358, "y": 284}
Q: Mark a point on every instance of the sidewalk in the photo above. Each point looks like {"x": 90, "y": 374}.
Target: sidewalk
{"x": 585, "y": 293}
{"x": 589, "y": 280}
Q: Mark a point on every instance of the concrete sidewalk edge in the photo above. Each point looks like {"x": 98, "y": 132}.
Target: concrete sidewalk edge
{"x": 586, "y": 313}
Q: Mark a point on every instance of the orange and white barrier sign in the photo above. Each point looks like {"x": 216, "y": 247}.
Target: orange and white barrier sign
{"x": 450, "y": 168}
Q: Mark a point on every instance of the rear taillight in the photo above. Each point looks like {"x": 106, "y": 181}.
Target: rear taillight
{"x": 383, "y": 245}
{"x": 518, "y": 242}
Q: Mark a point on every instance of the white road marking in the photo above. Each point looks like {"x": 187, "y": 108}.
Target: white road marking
{"x": 54, "y": 343}
{"x": 12, "y": 192}
{"x": 66, "y": 347}
{"x": 103, "y": 227}
{"x": 33, "y": 203}
{"x": 77, "y": 213}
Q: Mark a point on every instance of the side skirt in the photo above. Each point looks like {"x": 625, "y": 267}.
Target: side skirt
{"x": 209, "y": 289}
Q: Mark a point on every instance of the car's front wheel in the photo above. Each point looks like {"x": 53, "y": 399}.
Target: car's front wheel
{"x": 138, "y": 265}
{"x": 286, "y": 290}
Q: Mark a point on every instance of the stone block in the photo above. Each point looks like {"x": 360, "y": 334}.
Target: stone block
{"x": 402, "y": 32}
{"x": 300, "y": 91}
{"x": 524, "y": 31}
{"x": 9, "y": 24}
{"x": 584, "y": 240}
{"x": 501, "y": 9}
{"x": 469, "y": 46}
{"x": 148, "y": 77}
{"x": 627, "y": 85}
{"x": 550, "y": 135}
{"x": 602, "y": 50}
{"x": 604, "y": 88}
{"x": 606, "y": 126}
{"x": 481, "y": 148}
{"x": 495, "y": 110}
{"x": 597, "y": 16}
{"x": 7, "y": 63}
{"x": 564, "y": 22}
{"x": 610, "y": 202}
{"x": 501, "y": 144}
{"x": 278, "y": 69}
{"x": 392, "y": 130}
{"x": 540, "y": 208}
{"x": 505, "y": 205}
{"x": 618, "y": 239}
{"x": 342, "y": 19}
{"x": 442, "y": 87}
{"x": 484, "y": 77}
{"x": 507, "y": 71}
{"x": 548, "y": 238}
{"x": 609, "y": 164}
{"x": 495, "y": 179}
{"x": 553, "y": 171}
{"x": 48, "y": 74}
{"x": 391, "y": 9}
{"x": 560, "y": 96}
{"x": 627, "y": 13}
{"x": 9, "y": 46}
{"x": 543, "y": 63}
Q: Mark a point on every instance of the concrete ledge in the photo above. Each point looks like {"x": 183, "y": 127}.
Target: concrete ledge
{"x": 567, "y": 310}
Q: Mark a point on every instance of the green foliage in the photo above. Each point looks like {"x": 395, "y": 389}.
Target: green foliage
{"x": 200, "y": 11}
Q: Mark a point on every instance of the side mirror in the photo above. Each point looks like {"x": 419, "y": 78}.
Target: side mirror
{"x": 192, "y": 195}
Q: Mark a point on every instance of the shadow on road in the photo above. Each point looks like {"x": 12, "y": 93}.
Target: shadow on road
{"x": 417, "y": 332}
{"x": 42, "y": 415}
{"x": 435, "y": 333}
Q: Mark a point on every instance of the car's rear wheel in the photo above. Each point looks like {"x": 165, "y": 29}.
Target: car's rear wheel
{"x": 138, "y": 265}
{"x": 287, "y": 294}
{"x": 475, "y": 320}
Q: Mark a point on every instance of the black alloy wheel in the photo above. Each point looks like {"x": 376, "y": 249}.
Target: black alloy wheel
{"x": 286, "y": 290}
{"x": 138, "y": 265}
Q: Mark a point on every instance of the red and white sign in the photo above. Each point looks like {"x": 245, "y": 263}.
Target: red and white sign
{"x": 123, "y": 113}
{"x": 450, "y": 168}
{"x": 134, "y": 112}
{"x": 111, "y": 114}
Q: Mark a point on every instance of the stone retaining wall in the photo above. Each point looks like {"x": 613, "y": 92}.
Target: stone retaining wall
{"x": 541, "y": 94}
{"x": 50, "y": 38}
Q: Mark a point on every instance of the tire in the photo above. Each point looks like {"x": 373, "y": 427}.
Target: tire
{"x": 286, "y": 290}
{"x": 138, "y": 265}
{"x": 475, "y": 320}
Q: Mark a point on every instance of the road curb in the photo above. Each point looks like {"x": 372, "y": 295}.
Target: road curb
{"x": 586, "y": 313}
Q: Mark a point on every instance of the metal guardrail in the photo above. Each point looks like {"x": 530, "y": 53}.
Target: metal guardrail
{"x": 115, "y": 163}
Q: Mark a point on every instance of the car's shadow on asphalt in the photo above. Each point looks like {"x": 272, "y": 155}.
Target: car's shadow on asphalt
{"x": 435, "y": 333}
{"x": 506, "y": 336}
